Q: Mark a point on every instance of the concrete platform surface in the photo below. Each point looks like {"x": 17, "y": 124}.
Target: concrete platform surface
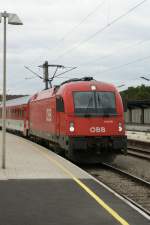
{"x": 139, "y": 136}
{"x": 27, "y": 160}
{"x": 40, "y": 188}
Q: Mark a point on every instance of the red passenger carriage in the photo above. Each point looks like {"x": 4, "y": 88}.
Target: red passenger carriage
{"x": 17, "y": 113}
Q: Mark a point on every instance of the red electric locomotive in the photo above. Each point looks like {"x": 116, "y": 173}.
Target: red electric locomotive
{"x": 82, "y": 118}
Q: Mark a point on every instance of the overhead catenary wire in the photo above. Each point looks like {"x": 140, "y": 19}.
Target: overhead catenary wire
{"x": 78, "y": 44}
{"x": 124, "y": 65}
{"x": 112, "y": 54}
{"x": 81, "y": 22}
{"x": 54, "y": 75}
{"x": 145, "y": 78}
{"x": 73, "y": 68}
{"x": 36, "y": 74}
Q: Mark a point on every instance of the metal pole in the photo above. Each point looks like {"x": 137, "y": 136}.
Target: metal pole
{"x": 4, "y": 99}
{"x": 46, "y": 77}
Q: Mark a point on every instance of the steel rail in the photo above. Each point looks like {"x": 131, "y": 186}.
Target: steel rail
{"x": 135, "y": 178}
{"x": 138, "y": 152}
{"x": 138, "y": 179}
{"x": 130, "y": 177}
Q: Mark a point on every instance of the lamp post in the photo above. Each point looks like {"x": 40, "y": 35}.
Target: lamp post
{"x": 13, "y": 19}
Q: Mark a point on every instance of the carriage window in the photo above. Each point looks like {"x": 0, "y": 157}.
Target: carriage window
{"x": 19, "y": 113}
{"x": 22, "y": 113}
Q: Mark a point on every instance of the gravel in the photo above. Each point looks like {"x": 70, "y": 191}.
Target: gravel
{"x": 133, "y": 165}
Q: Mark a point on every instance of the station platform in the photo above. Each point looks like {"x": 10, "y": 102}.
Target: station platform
{"x": 138, "y": 136}
{"x": 39, "y": 187}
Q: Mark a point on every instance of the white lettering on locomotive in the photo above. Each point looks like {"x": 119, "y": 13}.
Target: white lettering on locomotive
{"x": 97, "y": 129}
{"x": 48, "y": 115}
{"x": 108, "y": 121}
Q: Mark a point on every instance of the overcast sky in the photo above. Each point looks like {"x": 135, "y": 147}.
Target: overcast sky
{"x": 105, "y": 39}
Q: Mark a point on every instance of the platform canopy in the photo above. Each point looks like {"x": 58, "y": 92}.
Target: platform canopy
{"x": 138, "y": 104}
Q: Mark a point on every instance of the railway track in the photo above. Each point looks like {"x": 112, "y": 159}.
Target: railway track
{"x": 139, "y": 152}
{"x": 134, "y": 189}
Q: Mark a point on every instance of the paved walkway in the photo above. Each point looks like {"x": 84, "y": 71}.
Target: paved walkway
{"x": 27, "y": 160}
{"x": 140, "y": 136}
{"x": 40, "y": 188}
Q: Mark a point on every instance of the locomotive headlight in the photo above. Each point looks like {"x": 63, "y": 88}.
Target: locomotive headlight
{"x": 120, "y": 127}
{"x": 71, "y": 128}
{"x": 93, "y": 87}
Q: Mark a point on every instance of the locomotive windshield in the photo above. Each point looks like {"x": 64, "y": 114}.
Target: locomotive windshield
{"x": 101, "y": 103}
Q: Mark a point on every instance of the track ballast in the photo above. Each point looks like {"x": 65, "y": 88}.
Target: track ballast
{"x": 134, "y": 189}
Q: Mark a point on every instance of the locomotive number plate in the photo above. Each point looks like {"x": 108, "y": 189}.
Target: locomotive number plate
{"x": 97, "y": 129}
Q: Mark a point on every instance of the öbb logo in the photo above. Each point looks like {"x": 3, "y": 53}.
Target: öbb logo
{"x": 97, "y": 129}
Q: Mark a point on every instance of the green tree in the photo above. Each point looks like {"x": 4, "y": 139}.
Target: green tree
{"x": 136, "y": 93}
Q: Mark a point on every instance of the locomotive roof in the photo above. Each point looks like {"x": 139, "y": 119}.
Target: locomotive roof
{"x": 87, "y": 84}
{"x": 86, "y": 81}
{"x": 18, "y": 101}
{"x": 73, "y": 85}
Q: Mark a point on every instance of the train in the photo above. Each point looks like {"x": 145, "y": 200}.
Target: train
{"x": 81, "y": 118}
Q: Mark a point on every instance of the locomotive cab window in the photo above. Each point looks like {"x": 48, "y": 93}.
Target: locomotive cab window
{"x": 84, "y": 102}
{"x": 105, "y": 102}
{"x": 95, "y": 103}
{"x": 59, "y": 104}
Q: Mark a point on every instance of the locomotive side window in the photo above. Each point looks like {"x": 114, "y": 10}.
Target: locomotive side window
{"x": 59, "y": 104}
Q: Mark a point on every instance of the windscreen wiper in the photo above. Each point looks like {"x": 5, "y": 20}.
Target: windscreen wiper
{"x": 86, "y": 114}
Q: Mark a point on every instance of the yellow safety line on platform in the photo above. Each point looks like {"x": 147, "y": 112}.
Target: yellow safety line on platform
{"x": 89, "y": 191}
